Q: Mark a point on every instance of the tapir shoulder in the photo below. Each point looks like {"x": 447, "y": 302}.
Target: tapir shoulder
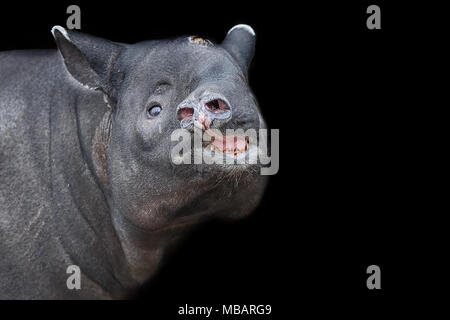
{"x": 25, "y": 84}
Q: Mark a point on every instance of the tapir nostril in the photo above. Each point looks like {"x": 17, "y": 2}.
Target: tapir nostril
{"x": 217, "y": 106}
{"x": 185, "y": 114}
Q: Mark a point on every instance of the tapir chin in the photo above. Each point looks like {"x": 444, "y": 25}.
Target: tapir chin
{"x": 88, "y": 182}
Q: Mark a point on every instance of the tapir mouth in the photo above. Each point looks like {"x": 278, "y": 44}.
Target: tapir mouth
{"x": 231, "y": 144}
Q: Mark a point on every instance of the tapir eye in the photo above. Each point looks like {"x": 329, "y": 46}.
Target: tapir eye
{"x": 154, "y": 110}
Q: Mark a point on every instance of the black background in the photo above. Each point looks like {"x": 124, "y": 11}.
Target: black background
{"x": 342, "y": 198}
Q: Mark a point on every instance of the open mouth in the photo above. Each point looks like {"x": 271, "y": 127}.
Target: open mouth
{"x": 230, "y": 145}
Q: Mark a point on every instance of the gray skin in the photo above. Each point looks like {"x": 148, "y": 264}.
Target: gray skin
{"x": 86, "y": 176}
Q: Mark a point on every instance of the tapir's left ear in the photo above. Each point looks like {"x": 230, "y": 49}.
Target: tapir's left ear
{"x": 240, "y": 43}
{"x": 88, "y": 59}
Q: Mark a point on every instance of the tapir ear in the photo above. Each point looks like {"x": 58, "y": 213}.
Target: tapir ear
{"x": 88, "y": 59}
{"x": 240, "y": 43}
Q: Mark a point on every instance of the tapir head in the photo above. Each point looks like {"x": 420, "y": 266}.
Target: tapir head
{"x": 153, "y": 89}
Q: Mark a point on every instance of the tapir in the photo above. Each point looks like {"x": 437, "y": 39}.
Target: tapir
{"x": 87, "y": 180}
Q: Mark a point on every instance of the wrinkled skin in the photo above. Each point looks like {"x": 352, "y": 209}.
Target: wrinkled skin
{"x": 86, "y": 174}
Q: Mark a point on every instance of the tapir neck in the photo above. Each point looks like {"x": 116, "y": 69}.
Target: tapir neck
{"x": 79, "y": 200}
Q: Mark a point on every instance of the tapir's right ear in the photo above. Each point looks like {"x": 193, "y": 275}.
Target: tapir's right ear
{"x": 88, "y": 59}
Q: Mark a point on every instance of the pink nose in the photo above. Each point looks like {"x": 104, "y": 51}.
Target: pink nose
{"x": 203, "y": 121}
